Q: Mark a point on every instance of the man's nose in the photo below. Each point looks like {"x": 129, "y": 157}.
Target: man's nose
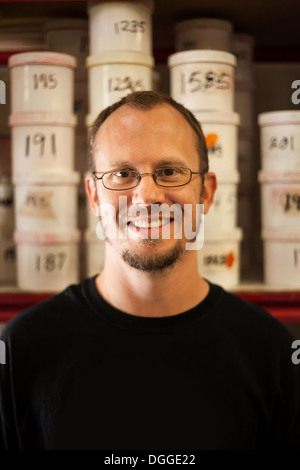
{"x": 147, "y": 191}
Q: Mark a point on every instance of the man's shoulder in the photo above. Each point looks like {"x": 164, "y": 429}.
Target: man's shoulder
{"x": 50, "y": 313}
{"x": 246, "y": 316}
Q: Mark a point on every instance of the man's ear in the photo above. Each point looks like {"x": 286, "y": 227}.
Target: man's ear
{"x": 92, "y": 194}
{"x": 209, "y": 189}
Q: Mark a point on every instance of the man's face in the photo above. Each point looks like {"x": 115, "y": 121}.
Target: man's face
{"x": 145, "y": 141}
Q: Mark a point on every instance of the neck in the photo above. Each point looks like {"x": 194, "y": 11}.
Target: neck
{"x": 172, "y": 291}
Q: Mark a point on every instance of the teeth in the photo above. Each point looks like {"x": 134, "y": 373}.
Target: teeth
{"x": 155, "y": 223}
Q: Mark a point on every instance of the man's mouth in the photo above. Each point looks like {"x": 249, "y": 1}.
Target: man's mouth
{"x": 149, "y": 223}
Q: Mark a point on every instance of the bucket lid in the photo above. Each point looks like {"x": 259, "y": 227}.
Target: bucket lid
{"x": 144, "y": 3}
{"x": 202, "y": 55}
{"x": 235, "y": 234}
{"x": 204, "y": 23}
{"x": 217, "y": 118}
{"x": 279, "y": 117}
{"x": 47, "y": 238}
{"x": 42, "y": 119}
{"x": 120, "y": 57}
{"x": 49, "y": 58}
{"x": 281, "y": 235}
{"x": 66, "y": 24}
{"x": 279, "y": 176}
{"x": 46, "y": 178}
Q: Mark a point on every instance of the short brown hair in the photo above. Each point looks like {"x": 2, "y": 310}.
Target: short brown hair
{"x": 145, "y": 101}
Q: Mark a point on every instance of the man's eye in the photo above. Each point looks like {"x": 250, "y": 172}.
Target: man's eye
{"x": 122, "y": 173}
{"x": 169, "y": 171}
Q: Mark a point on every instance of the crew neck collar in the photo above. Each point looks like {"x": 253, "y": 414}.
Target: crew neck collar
{"x": 125, "y": 320}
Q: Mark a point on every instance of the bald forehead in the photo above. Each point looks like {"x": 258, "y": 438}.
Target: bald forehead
{"x": 133, "y": 119}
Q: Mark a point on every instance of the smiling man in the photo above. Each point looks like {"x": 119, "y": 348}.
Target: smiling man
{"x": 148, "y": 355}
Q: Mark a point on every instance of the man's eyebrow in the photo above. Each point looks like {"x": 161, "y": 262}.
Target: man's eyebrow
{"x": 169, "y": 161}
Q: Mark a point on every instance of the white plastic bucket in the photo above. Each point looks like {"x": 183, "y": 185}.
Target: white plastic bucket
{"x": 203, "y": 33}
{"x": 221, "y": 135}
{"x": 46, "y": 203}
{"x": 6, "y": 202}
{"x": 47, "y": 262}
{"x": 5, "y": 160}
{"x": 219, "y": 258}
{"x": 222, "y": 214}
{"x": 121, "y": 26}
{"x": 280, "y": 140}
{"x": 280, "y": 199}
{"x": 244, "y": 104}
{"x": 69, "y": 36}
{"x": 95, "y": 251}
{"x": 203, "y": 80}
{"x": 281, "y": 253}
{"x": 42, "y": 142}
{"x": 112, "y": 75}
{"x": 7, "y": 257}
{"x": 242, "y": 46}
{"x": 42, "y": 82}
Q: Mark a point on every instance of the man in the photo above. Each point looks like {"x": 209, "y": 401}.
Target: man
{"x": 148, "y": 354}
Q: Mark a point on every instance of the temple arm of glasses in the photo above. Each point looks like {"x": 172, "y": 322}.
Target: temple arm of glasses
{"x": 97, "y": 177}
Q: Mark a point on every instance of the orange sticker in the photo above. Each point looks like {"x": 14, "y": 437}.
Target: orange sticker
{"x": 229, "y": 259}
{"x": 211, "y": 140}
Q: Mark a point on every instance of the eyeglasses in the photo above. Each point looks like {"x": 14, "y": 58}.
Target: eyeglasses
{"x": 121, "y": 180}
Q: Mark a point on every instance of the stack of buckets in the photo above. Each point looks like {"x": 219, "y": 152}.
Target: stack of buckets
{"x": 202, "y": 79}
{"x": 120, "y": 62}
{"x": 45, "y": 183}
{"x": 71, "y": 36}
{"x": 7, "y": 246}
{"x": 279, "y": 179}
{"x": 242, "y": 46}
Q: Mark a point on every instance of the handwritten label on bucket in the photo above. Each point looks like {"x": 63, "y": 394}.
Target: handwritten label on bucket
{"x": 40, "y": 141}
{"x": 132, "y": 26}
{"x": 37, "y": 203}
{"x": 199, "y": 81}
{"x": 121, "y": 84}
{"x": 282, "y": 143}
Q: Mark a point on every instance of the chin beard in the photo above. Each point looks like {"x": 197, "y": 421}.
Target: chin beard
{"x": 154, "y": 262}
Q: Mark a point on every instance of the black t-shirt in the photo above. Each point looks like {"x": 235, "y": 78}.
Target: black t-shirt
{"x": 80, "y": 374}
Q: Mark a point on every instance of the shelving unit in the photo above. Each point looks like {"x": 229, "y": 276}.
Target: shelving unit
{"x": 277, "y": 39}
